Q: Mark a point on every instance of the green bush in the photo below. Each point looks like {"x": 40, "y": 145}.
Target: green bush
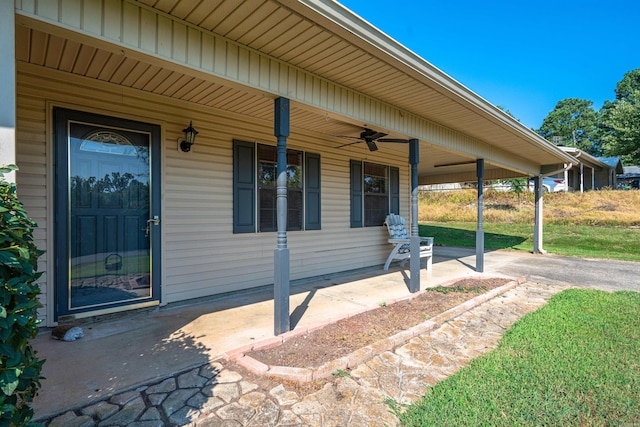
{"x": 19, "y": 366}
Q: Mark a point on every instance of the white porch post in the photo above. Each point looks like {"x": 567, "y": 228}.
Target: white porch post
{"x": 414, "y": 245}
{"x": 593, "y": 178}
{"x": 480, "y": 230}
{"x": 8, "y": 87}
{"x": 281, "y": 292}
{"x": 566, "y": 178}
{"x": 538, "y": 222}
{"x": 581, "y": 178}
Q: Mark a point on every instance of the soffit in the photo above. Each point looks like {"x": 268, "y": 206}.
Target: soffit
{"x": 317, "y": 50}
{"x": 295, "y": 32}
{"x": 66, "y": 55}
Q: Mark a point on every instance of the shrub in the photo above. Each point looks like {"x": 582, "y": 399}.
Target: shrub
{"x": 19, "y": 366}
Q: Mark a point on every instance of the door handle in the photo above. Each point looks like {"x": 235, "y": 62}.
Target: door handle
{"x": 155, "y": 221}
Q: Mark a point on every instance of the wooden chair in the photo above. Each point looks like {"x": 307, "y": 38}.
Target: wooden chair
{"x": 400, "y": 239}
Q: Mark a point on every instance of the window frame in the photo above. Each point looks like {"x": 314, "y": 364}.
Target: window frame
{"x": 359, "y": 193}
{"x": 247, "y": 189}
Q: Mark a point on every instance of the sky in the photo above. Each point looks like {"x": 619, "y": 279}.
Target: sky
{"x": 521, "y": 55}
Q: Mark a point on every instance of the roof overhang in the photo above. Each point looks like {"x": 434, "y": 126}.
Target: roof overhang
{"x": 340, "y": 72}
{"x": 585, "y": 158}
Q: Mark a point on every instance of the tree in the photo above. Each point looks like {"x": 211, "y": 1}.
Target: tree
{"x": 620, "y": 120}
{"x": 573, "y": 122}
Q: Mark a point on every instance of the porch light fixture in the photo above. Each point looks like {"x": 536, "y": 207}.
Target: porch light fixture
{"x": 189, "y": 138}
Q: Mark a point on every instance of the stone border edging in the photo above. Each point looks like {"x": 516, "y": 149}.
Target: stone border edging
{"x": 353, "y": 359}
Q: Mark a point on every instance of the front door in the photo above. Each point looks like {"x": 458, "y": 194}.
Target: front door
{"x": 107, "y": 226}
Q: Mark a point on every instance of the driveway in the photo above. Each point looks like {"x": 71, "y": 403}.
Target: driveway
{"x": 608, "y": 275}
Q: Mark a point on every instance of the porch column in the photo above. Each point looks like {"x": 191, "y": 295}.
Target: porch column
{"x": 537, "y": 228}
{"x": 8, "y": 87}
{"x": 581, "y": 178}
{"x": 566, "y": 178}
{"x": 281, "y": 253}
{"x": 480, "y": 231}
{"x": 593, "y": 178}
{"x": 414, "y": 248}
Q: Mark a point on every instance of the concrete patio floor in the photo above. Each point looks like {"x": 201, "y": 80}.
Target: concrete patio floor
{"x": 122, "y": 353}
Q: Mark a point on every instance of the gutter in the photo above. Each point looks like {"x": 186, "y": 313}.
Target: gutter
{"x": 354, "y": 29}
{"x": 564, "y": 169}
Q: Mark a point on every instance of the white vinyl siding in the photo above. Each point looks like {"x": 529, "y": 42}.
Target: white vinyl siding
{"x": 201, "y": 255}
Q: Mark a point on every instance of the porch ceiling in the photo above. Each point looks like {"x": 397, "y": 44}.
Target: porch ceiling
{"x": 314, "y": 36}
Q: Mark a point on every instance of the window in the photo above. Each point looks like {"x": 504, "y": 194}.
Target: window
{"x": 375, "y": 191}
{"x": 267, "y": 186}
{"x": 255, "y": 180}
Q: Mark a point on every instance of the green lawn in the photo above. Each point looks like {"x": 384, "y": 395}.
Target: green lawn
{"x": 620, "y": 243}
{"x": 574, "y": 362}
{"x": 131, "y": 264}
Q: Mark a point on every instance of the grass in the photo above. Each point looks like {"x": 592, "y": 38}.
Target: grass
{"x": 596, "y": 224}
{"x": 573, "y": 362}
{"x": 131, "y": 264}
{"x": 561, "y": 239}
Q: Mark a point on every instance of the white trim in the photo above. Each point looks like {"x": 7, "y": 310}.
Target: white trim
{"x": 8, "y": 88}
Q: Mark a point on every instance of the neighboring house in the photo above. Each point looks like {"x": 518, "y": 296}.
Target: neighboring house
{"x": 608, "y": 177}
{"x": 630, "y": 178}
{"x": 592, "y": 173}
{"x": 131, "y": 216}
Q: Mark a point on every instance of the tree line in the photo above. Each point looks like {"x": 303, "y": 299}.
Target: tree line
{"x": 613, "y": 131}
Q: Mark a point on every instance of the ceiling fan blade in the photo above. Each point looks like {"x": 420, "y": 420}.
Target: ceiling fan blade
{"x": 372, "y": 145}
{"x": 398, "y": 140}
{"x": 377, "y": 135}
{"x": 350, "y": 143}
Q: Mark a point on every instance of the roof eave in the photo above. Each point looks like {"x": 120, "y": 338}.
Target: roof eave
{"x": 361, "y": 33}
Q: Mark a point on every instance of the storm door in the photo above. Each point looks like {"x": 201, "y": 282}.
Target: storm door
{"x": 107, "y": 213}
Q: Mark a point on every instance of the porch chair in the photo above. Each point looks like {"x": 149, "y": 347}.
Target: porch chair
{"x": 400, "y": 239}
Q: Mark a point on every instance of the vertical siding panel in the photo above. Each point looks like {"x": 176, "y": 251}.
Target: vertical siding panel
{"x": 164, "y": 41}
{"x": 148, "y": 35}
{"x": 48, "y": 9}
{"x": 208, "y": 46}
{"x": 265, "y": 74}
{"x": 220, "y": 57}
{"x": 26, "y": 5}
{"x": 70, "y": 12}
{"x": 112, "y": 15}
{"x": 179, "y": 42}
{"x": 315, "y": 90}
{"x": 277, "y": 79}
{"x": 254, "y": 69}
{"x": 324, "y": 94}
{"x": 194, "y": 47}
{"x": 232, "y": 60}
{"x": 92, "y": 16}
{"x": 243, "y": 64}
{"x": 131, "y": 25}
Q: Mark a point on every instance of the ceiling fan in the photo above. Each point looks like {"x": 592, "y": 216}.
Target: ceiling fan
{"x": 371, "y": 137}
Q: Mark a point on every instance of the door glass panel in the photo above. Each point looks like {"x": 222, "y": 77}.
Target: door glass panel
{"x": 109, "y": 205}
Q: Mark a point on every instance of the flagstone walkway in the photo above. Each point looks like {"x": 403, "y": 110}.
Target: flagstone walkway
{"x": 212, "y": 395}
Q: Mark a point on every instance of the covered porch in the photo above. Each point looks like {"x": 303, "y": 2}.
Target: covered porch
{"x": 157, "y": 67}
{"x": 154, "y": 345}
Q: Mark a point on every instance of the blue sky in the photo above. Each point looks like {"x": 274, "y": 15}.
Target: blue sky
{"x": 522, "y": 55}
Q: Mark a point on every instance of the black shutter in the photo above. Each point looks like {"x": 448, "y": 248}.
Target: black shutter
{"x": 356, "y": 194}
{"x": 244, "y": 187}
{"x": 312, "y": 192}
{"x": 394, "y": 190}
